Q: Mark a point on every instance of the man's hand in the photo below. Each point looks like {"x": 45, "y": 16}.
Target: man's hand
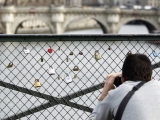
{"x": 109, "y": 84}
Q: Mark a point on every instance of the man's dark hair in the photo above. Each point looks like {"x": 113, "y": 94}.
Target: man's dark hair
{"x": 137, "y": 67}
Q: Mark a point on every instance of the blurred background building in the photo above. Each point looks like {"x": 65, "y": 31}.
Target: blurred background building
{"x": 34, "y": 26}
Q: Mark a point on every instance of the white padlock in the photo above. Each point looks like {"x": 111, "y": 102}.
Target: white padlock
{"x": 51, "y": 71}
{"x": 26, "y": 50}
{"x": 68, "y": 78}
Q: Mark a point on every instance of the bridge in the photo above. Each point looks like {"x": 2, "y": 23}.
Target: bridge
{"x": 58, "y": 19}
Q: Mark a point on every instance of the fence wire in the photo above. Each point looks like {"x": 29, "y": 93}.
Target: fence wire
{"x": 61, "y": 80}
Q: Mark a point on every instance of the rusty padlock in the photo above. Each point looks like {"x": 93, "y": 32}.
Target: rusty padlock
{"x": 59, "y": 77}
{"x": 75, "y": 68}
{"x": 10, "y": 65}
{"x": 37, "y": 83}
{"x": 67, "y": 59}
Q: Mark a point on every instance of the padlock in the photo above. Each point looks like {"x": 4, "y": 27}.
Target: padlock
{"x": 71, "y": 53}
{"x": 10, "y": 65}
{"x": 129, "y": 53}
{"x": 67, "y": 59}
{"x": 51, "y": 71}
{"x": 109, "y": 48}
{"x": 97, "y": 55}
{"x": 50, "y": 50}
{"x": 27, "y": 51}
{"x": 59, "y": 77}
{"x": 42, "y": 59}
{"x": 75, "y": 68}
{"x": 37, "y": 83}
{"x": 59, "y": 96}
{"x": 75, "y": 76}
{"x": 154, "y": 54}
{"x": 59, "y": 49}
{"x": 68, "y": 78}
{"x": 81, "y": 53}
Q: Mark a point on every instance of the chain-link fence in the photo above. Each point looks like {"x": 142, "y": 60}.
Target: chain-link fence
{"x": 61, "y": 77}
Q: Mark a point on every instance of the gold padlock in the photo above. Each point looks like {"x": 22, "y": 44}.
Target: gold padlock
{"x": 97, "y": 55}
{"x": 37, "y": 83}
{"x": 71, "y": 53}
{"x": 81, "y": 53}
{"x": 10, "y": 65}
{"x": 75, "y": 68}
{"x": 75, "y": 76}
{"x": 129, "y": 53}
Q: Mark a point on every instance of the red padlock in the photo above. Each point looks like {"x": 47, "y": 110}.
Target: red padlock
{"x": 50, "y": 50}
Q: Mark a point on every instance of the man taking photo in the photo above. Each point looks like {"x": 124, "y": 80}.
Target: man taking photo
{"x": 144, "y": 103}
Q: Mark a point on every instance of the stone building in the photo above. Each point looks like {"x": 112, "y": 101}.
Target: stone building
{"x": 154, "y": 3}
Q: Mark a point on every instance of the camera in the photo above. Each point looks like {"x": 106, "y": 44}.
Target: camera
{"x": 117, "y": 81}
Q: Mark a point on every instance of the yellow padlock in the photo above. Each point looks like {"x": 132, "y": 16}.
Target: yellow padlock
{"x": 37, "y": 83}
{"x": 10, "y": 65}
{"x": 75, "y": 68}
{"x": 97, "y": 55}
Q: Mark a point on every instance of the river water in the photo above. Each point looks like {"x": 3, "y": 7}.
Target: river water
{"x": 28, "y": 67}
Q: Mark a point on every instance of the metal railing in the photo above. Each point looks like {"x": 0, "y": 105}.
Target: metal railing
{"x": 61, "y": 77}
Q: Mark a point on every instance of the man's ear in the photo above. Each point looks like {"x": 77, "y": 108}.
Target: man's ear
{"x": 122, "y": 78}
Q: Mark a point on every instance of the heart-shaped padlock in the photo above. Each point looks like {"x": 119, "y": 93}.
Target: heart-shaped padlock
{"x": 50, "y": 50}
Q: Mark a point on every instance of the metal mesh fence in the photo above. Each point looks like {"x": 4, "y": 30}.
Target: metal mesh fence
{"x": 61, "y": 78}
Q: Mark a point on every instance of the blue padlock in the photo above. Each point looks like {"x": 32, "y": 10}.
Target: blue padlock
{"x": 154, "y": 54}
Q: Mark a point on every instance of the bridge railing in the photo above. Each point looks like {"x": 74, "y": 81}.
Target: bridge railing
{"x": 61, "y": 77}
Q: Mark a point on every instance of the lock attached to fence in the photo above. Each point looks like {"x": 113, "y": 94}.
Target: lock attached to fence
{"x": 37, "y": 83}
{"x": 50, "y": 50}
{"x": 59, "y": 49}
{"x": 10, "y": 65}
{"x": 97, "y": 55}
{"x": 71, "y": 53}
{"x": 51, "y": 71}
{"x": 42, "y": 59}
{"x": 80, "y": 53}
{"x": 59, "y": 78}
{"x": 75, "y": 76}
{"x": 154, "y": 54}
{"x": 109, "y": 48}
{"x": 67, "y": 59}
{"x": 27, "y": 51}
{"x": 75, "y": 68}
{"x": 129, "y": 53}
{"x": 68, "y": 78}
